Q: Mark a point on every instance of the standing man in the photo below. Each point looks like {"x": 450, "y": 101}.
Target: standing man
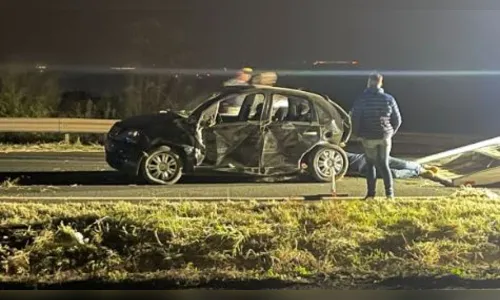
{"x": 375, "y": 119}
{"x": 243, "y": 77}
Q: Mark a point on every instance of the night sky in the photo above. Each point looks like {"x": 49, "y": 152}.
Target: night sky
{"x": 277, "y": 34}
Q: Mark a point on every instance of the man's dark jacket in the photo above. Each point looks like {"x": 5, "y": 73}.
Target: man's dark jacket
{"x": 375, "y": 115}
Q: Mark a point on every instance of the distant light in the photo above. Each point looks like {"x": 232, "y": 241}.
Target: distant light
{"x": 122, "y": 68}
{"x": 41, "y": 68}
{"x": 335, "y": 62}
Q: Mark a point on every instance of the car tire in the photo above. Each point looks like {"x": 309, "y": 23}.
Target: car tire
{"x": 162, "y": 166}
{"x": 320, "y": 162}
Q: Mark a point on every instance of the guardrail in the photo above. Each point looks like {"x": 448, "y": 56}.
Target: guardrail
{"x": 56, "y": 125}
{"x": 82, "y": 125}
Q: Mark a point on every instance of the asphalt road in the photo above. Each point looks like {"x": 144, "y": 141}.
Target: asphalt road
{"x": 87, "y": 175}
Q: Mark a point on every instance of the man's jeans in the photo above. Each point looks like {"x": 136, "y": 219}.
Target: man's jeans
{"x": 377, "y": 158}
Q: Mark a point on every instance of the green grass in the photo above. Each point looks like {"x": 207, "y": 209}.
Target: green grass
{"x": 336, "y": 244}
{"x": 51, "y": 147}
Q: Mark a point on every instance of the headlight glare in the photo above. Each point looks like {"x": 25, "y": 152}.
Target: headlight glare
{"x": 130, "y": 136}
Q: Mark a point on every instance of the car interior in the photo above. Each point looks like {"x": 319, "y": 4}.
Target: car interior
{"x": 291, "y": 109}
{"x": 285, "y": 109}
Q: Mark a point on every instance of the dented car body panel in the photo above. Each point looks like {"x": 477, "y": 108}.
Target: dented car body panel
{"x": 285, "y": 144}
{"x": 257, "y": 130}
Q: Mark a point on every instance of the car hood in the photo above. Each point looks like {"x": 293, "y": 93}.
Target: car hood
{"x": 144, "y": 122}
{"x": 167, "y": 126}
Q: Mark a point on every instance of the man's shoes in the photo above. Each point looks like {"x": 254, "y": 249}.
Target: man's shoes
{"x": 427, "y": 174}
{"x": 373, "y": 198}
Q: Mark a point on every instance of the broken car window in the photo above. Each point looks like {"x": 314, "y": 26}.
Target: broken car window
{"x": 291, "y": 109}
{"x": 235, "y": 108}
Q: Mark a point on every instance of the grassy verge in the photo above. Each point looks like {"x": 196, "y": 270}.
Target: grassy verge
{"x": 350, "y": 244}
{"x": 51, "y": 147}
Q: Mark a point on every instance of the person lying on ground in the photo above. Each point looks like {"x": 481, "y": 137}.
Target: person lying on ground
{"x": 400, "y": 168}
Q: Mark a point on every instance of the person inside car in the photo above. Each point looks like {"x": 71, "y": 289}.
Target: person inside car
{"x": 258, "y": 112}
{"x": 304, "y": 113}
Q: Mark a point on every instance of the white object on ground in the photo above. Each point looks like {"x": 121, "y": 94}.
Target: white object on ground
{"x": 476, "y": 164}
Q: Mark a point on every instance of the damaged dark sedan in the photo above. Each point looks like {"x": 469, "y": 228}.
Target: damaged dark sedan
{"x": 253, "y": 130}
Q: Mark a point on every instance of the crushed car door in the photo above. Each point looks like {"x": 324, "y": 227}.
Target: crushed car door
{"x": 291, "y": 130}
{"x": 234, "y": 139}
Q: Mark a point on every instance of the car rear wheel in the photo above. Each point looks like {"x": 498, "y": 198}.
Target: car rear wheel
{"x": 323, "y": 158}
{"x": 162, "y": 166}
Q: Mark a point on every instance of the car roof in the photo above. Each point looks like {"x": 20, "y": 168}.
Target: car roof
{"x": 292, "y": 91}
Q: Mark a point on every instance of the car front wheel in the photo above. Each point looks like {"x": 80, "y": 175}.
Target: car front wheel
{"x": 162, "y": 166}
{"x": 324, "y": 158}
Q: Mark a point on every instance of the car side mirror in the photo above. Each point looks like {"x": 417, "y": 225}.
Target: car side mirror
{"x": 192, "y": 119}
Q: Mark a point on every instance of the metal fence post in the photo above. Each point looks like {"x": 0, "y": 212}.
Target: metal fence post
{"x": 333, "y": 187}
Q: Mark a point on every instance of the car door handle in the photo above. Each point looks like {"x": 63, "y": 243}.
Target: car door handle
{"x": 287, "y": 126}
{"x": 311, "y": 132}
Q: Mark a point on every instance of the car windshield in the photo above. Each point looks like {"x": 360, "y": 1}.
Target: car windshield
{"x": 196, "y": 102}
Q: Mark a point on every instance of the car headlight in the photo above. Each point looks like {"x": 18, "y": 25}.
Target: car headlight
{"x": 129, "y": 136}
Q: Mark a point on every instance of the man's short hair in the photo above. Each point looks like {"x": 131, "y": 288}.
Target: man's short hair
{"x": 375, "y": 78}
